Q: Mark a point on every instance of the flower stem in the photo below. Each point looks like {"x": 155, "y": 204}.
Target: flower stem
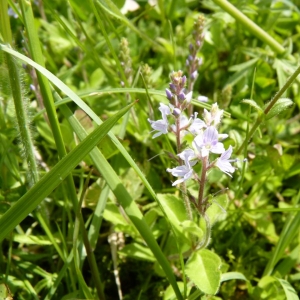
{"x": 178, "y": 140}
{"x": 202, "y": 186}
{"x": 183, "y": 186}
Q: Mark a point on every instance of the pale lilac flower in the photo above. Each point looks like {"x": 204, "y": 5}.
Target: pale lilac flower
{"x": 184, "y": 122}
{"x": 160, "y": 125}
{"x": 12, "y": 13}
{"x": 213, "y": 118}
{"x": 165, "y": 111}
{"x": 202, "y": 98}
{"x": 187, "y": 156}
{"x": 208, "y": 142}
{"x": 197, "y": 125}
{"x": 223, "y": 162}
{"x": 185, "y": 171}
{"x": 194, "y": 75}
{"x": 222, "y": 136}
{"x": 188, "y": 97}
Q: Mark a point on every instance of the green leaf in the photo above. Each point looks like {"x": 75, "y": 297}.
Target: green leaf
{"x": 32, "y": 239}
{"x": 217, "y": 209}
{"x": 169, "y": 292}
{"x": 253, "y": 104}
{"x": 173, "y": 207}
{"x": 233, "y": 276}
{"x": 278, "y": 107}
{"x": 4, "y": 292}
{"x": 203, "y": 269}
{"x": 192, "y": 228}
{"x": 176, "y": 213}
{"x": 137, "y": 251}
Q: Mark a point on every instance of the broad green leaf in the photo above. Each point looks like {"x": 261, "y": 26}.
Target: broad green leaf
{"x": 174, "y": 207}
{"x": 192, "y": 228}
{"x": 113, "y": 215}
{"x": 26, "y": 204}
{"x": 169, "y": 293}
{"x": 203, "y": 269}
{"x": 217, "y": 208}
{"x": 268, "y": 288}
{"x": 4, "y": 292}
{"x": 281, "y": 105}
{"x": 176, "y": 213}
{"x": 253, "y": 104}
{"x": 232, "y": 276}
{"x": 137, "y": 251}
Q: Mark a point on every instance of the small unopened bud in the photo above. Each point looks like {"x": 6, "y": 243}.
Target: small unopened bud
{"x": 169, "y": 94}
{"x": 194, "y": 75}
{"x": 176, "y": 112}
{"x": 183, "y": 80}
{"x": 198, "y": 61}
{"x": 181, "y": 96}
{"x": 172, "y": 87}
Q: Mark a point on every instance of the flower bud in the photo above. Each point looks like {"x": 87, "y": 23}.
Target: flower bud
{"x": 194, "y": 75}
{"x": 181, "y": 97}
{"x": 172, "y": 87}
{"x": 176, "y": 112}
{"x": 169, "y": 94}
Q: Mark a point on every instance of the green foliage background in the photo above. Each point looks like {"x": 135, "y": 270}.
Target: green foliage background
{"x": 105, "y": 196}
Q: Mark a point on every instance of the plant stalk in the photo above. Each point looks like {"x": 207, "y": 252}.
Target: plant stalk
{"x": 250, "y": 25}
{"x": 268, "y": 108}
{"x": 200, "y": 203}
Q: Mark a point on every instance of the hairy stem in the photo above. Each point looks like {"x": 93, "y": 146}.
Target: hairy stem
{"x": 183, "y": 186}
{"x": 202, "y": 186}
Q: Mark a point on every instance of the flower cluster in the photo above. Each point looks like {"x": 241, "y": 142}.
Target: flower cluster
{"x": 206, "y": 138}
{"x": 193, "y": 62}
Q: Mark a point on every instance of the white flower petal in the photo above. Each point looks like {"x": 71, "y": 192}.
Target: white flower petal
{"x": 223, "y": 163}
{"x": 218, "y": 148}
